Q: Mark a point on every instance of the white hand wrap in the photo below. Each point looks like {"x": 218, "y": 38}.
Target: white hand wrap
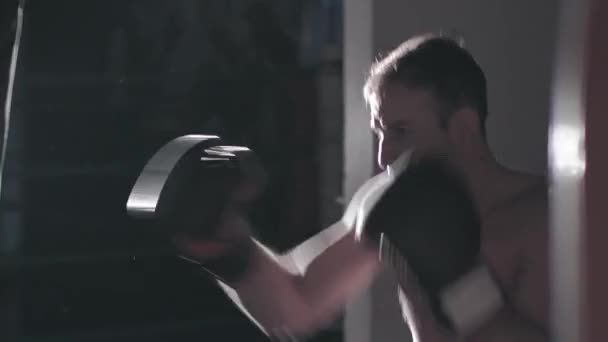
{"x": 471, "y": 301}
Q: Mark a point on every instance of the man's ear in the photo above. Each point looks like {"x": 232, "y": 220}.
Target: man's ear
{"x": 464, "y": 126}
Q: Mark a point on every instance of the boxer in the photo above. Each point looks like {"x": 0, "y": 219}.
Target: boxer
{"x": 427, "y": 96}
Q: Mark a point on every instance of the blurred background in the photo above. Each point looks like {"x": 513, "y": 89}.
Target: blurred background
{"x": 101, "y": 85}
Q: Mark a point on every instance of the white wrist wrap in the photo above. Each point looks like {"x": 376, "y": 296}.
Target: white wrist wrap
{"x": 471, "y": 301}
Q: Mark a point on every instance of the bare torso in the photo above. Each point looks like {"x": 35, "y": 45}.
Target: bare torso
{"x": 514, "y": 247}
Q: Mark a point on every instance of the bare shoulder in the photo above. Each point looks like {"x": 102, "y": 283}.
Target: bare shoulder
{"x": 523, "y": 216}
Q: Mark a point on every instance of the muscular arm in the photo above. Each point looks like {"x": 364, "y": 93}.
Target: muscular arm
{"x": 303, "y": 303}
{"x": 306, "y": 289}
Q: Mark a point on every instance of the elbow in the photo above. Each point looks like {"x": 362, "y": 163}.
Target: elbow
{"x": 302, "y": 324}
{"x": 300, "y": 317}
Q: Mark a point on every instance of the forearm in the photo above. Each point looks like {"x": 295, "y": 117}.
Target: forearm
{"x": 304, "y": 303}
{"x": 269, "y": 293}
{"x": 307, "y": 288}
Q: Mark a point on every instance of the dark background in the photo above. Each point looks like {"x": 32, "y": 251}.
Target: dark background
{"x": 100, "y": 86}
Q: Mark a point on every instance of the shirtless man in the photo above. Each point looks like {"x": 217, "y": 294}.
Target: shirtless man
{"x": 429, "y": 94}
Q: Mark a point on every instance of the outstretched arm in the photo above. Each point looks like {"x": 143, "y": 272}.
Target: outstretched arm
{"x": 304, "y": 290}
{"x": 277, "y": 297}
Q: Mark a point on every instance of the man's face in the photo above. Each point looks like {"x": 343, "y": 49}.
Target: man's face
{"x": 406, "y": 118}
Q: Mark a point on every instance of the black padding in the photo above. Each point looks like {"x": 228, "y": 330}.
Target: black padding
{"x": 430, "y": 216}
{"x": 196, "y": 192}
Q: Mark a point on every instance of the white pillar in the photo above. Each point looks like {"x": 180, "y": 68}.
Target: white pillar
{"x": 358, "y": 155}
{"x": 513, "y": 40}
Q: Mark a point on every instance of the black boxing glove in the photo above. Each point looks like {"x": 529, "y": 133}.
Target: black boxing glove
{"x": 426, "y": 219}
{"x": 196, "y": 190}
{"x": 225, "y": 258}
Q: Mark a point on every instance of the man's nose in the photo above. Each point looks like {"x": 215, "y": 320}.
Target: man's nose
{"x": 387, "y": 153}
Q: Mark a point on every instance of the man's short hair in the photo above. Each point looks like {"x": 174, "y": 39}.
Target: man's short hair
{"x": 436, "y": 63}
